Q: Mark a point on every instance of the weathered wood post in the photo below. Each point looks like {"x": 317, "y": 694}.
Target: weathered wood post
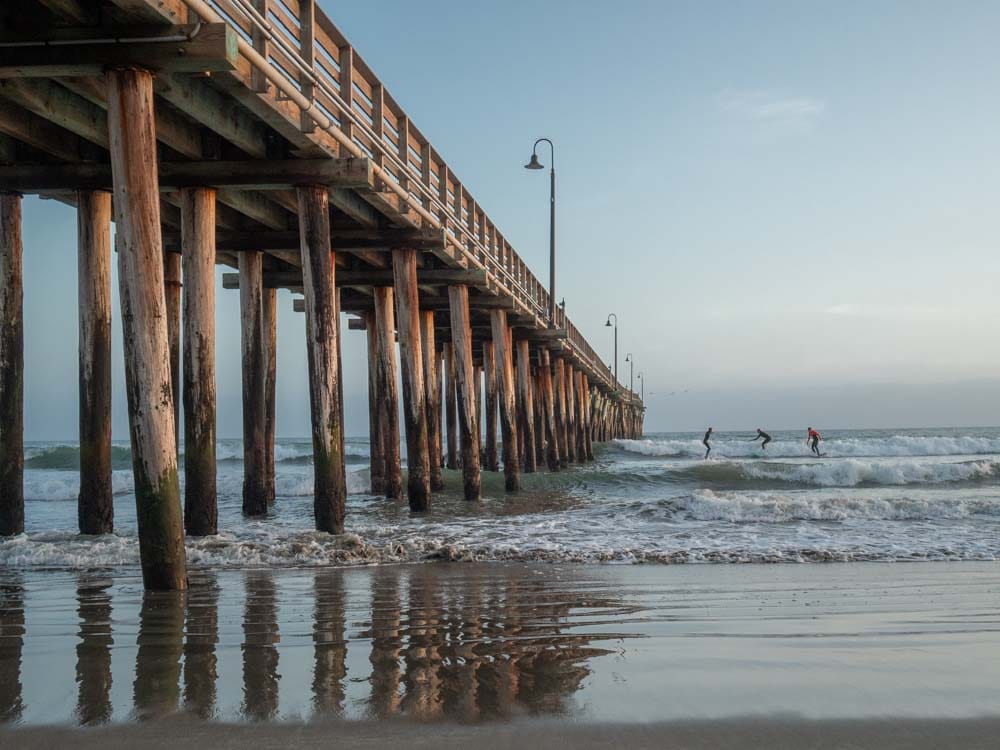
{"x": 450, "y": 403}
{"x": 11, "y": 367}
{"x": 559, "y": 400}
{"x": 461, "y": 336}
{"x": 147, "y": 361}
{"x": 172, "y": 295}
{"x": 551, "y": 430}
{"x": 323, "y": 347}
{"x": 505, "y": 387}
{"x": 254, "y": 381}
{"x": 490, "y": 405}
{"x": 387, "y": 390}
{"x": 201, "y": 514}
{"x": 404, "y": 268}
{"x": 376, "y": 460}
{"x": 588, "y": 411}
{"x": 477, "y": 391}
{"x": 269, "y": 314}
{"x": 95, "y": 506}
{"x": 432, "y": 397}
{"x": 538, "y": 417}
{"x": 526, "y": 406}
{"x": 569, "y": 383}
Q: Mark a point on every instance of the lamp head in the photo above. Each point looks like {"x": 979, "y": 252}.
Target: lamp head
{"x": 534, "y": 163}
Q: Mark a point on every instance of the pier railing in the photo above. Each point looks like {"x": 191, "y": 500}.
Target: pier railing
{"x": 294, "y": 45}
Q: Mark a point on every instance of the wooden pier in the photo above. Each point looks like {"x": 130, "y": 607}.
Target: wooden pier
{"x": 250, "y": 133}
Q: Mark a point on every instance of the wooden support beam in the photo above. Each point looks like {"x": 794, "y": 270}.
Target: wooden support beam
{"x": 254, "y": 367}
{"x": 201, "y": 513}
{"x": 72, "y": 11}
{"x": 477, "y": 390}
{"x": 269, "y": 314}
{"x": 72, "y": 51}
{"x": 37, "y": 132}
{"x": 525, "y": 406}
{"x": 434, "y": 277}
{"x": 388, "y": 395}
{"x": 570, "y": 413}
{"x": 450, "y": 416}
{"x": 552, "y": 455}
{"x": 461, "y": 333}
{"x": 538, "y": 392}
{"x": 147, "y": 364}
{"x": 559, "y": 399}
{"x": 376, "y": 459}
{"x": 432, "y": 396}
{"x": 172, "y": 295}
{"x": 323, "y": 344}
{"x": 505, "y": 387}
{"x": 95, "y": 506}
{"x": 490, "y": 404}
{"x": 404, "y": 263}
{"x": 173, "y": 175}
{"x": 11, "y": 367}
{"x": 375, "y": 239}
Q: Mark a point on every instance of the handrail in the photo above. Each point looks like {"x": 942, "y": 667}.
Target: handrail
{"x": 474, "y": 235}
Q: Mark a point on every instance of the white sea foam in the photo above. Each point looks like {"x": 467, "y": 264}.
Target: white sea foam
{"x": 776, "y": 507}
{"x": 894, "y": 446}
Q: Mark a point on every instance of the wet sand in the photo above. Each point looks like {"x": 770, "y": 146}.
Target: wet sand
{"x": 774, "y": 734}
{"x": 507, "y": 653}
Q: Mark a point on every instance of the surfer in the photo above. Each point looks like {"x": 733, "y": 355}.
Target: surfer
{"x": 708, "y": 448}
{"x": 762, "y": 435}
{"x": 812, "y": 440}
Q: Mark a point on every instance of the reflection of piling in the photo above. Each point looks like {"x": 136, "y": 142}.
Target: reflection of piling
{"x": 156, "y": 688}
{"x": 201, "y": 626}
{"x": 260, "y": 653}
{"x": 11, "y": 647}
{"x": 93, "y": 652}
{"x": 386, "y": 643}
{"x": 329, "y": 643}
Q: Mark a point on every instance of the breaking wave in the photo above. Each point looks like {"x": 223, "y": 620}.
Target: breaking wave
{"x": 895, "y": 446}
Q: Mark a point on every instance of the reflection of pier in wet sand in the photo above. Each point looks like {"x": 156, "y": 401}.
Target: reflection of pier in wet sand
{"x": 471, "y": 646}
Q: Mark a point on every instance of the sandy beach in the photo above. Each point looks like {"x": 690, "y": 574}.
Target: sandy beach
{"x": 845, "y": 655}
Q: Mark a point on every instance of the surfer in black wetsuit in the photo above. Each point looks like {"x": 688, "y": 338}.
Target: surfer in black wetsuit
{"x": 762, "y": 435}
{"x": 708, "y": 448}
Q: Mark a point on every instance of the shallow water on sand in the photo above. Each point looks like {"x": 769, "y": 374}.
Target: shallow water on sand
{"x": 494, "y": 641}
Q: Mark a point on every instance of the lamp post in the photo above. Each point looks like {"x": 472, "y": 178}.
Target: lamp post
{"x": 631, "y": 368}
{"x": 642, "y": 387}
{"x": 608, "y": 325}
{"x": 535, "y": 164}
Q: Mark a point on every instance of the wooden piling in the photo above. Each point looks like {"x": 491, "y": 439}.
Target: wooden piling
{"x": 569, "y": 380}
{"x": 461, "y": 336}
{"x": 323, "y": 348}
{"x": 477, "y": 390}
{"x": 254, "y": 381}
{"x": 450, "y": 404}
{"x": 490, "y": 406}
{"x": 506, "y": 399}
{"x": 588, "y": 412}
{"x": 201, "y": 515}
{"x": 143, "y": 308}
{"x": 172, "y": 295}
{"x": 376, "y": 460}
{"x": 559, "y": 401}
{"x": 269, "y": 316}
{"x": 11, "y": 367}
{"x": 432, "y": 397}
{"x": 404, "y": 268}
{"x": 551, "y": 430}
{"x": 95, "y": 507}
{"x": 526, "y": 406}
{"x": 387, "y": 390}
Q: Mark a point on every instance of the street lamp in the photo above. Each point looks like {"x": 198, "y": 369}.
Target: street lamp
{"x": 535, "y": 164}
{"x": 608, "y": 325}
{"x": 642, "y": 387}
{"x": 631, "y": 367}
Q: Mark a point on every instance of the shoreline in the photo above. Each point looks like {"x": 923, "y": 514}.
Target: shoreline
{"x": 775, "y": 733}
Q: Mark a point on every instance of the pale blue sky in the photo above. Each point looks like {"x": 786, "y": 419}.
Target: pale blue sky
{"x": 771, "y": 196}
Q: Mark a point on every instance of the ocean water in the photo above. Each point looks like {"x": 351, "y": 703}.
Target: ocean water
{"x": 875, "y": 495}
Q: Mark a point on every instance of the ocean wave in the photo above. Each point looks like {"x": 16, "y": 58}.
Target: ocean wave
{"x": 843, "y": 473}
{"x": 775, "y": 507}
{"x": 895, "y": 446}
{"x": 270, "y": 549}
{"x": 60, "y": 485}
